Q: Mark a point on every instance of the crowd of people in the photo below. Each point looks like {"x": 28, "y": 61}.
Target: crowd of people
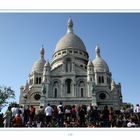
{"x": 69, "y": 116}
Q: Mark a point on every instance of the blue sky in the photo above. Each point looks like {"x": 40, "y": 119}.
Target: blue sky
{"x": 118, "y": 34}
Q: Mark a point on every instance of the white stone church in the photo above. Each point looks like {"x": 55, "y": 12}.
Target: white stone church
{"x": 71, "y": 78}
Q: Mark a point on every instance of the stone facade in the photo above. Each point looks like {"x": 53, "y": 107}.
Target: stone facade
{"x": 71, "y": 77}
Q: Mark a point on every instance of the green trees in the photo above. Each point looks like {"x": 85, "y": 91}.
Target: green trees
{"x": 6, "y": 93}
{"x": 126, "y": 106}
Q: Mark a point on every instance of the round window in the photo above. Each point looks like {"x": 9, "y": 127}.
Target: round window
{"x": 37, "y": 96}
{"x": 102, "y": 96}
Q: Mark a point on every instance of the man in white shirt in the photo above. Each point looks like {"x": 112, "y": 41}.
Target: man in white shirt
{"x": 137, "y": 108}
{"x": 14, "y": 110}
{"x": 131, "y": 123}
{"x": 48, "y": 112}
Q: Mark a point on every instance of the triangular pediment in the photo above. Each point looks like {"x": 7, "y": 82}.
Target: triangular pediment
{"x": 79, "y": 69}
{"x": 57, "y": 70}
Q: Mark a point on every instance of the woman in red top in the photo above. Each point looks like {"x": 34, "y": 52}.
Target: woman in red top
{"x": 111, "y": 117}
{"x": 32, "y": 113}
{"x": 17, "y": 121}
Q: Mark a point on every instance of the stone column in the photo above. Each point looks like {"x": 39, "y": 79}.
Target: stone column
{"x": 73, "y": 89}
{"x": 96, "y": 78}
{"x": 61, "y": 90}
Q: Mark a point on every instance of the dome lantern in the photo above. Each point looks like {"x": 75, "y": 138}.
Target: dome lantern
{"x": 42, "y": 52}
{"x": 70, "y": 25}
{"x": 97, "y": 50}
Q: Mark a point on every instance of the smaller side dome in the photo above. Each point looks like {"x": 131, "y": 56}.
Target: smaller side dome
{"x": 99, "y": 64}
{"x": 38, "y": 66}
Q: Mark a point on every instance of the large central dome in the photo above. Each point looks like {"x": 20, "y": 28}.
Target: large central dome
{"x": 70, "y": 40}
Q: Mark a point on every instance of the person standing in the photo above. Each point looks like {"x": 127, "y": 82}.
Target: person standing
{"x": 48, "y": 112}
{"x": 73, "y": 113}
{"x": 82, "y": 114}
{"x": 106, "y": 117}
{"x": 32, "y": 113}
{"x": 60, "y": 108}
{"x": 131, "y": 123}
{"x": 8, "y": 117}
{"x": 14, "y": 110}
{"x": 17, "y": 120}
{"x": 111, "y": 115}
{"x": 26, "y": 114}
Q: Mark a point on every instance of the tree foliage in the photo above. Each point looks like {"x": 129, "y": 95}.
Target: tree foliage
{"x": 127, "y": 105}
{"x": 6, "y": 93}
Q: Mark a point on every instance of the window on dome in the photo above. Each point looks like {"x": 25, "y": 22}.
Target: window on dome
{"x": 59, "y": 53}
{"x": 68, "y": 65}
{"x": 36, "y": 81}
{"x": 81, "y": 53}
{"x": 64, "y": 52}
{"x": 81, "y": 66}
{"x": 102, "y": 79}
{"x": 70, "y": 51}
{"x": 39, "y": 80}
{"x": 99, "y": 79}
{"x": 75, "y": 51}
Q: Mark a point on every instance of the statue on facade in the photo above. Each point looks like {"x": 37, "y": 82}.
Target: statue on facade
{"x": 44, "y": 89}
{"x": 93, "y": 88}
{"x": 43, "y": 96}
